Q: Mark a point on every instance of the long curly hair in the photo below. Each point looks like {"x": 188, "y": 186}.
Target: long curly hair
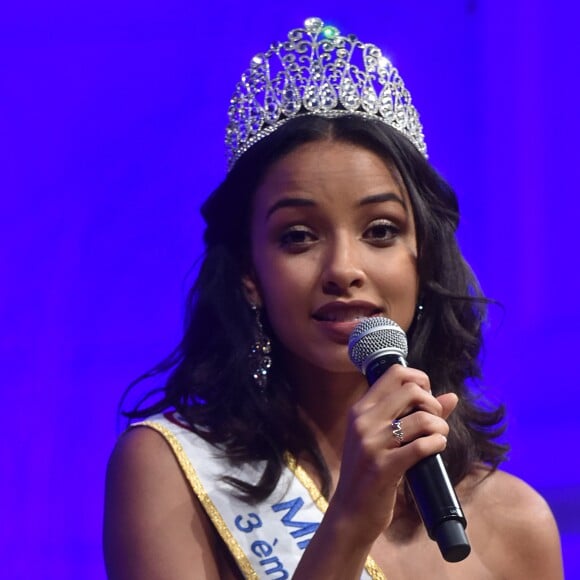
{"x": 208, "y": 377}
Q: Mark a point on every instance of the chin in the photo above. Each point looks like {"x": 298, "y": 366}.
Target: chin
{"x": 332, "y": 365}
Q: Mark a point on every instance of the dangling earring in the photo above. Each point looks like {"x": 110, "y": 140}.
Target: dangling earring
{"x": 260, "y": 353}
{"x": 419, "y": 312}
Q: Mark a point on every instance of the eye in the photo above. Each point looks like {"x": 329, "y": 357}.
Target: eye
{"x": 296, "y": 239}
{"x": 381, "y": 232}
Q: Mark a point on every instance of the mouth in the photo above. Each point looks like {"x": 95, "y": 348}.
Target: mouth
{"x": 344, "y": 312}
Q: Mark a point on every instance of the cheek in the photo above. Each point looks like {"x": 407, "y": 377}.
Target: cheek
{"x": 283, "y": 284}
{"x": 399, "y": 283}
{"x": 287, "y": 286}
{"x": 283, "y": 303}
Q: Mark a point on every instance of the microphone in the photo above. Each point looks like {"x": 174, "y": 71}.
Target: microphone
{"x": 374, "y": 346}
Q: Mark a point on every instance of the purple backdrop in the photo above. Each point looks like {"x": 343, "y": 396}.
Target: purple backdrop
{"x": 112, "y": 123}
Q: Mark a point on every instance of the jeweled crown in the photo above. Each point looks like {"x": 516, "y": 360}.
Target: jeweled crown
{"x": 317, "y": 71}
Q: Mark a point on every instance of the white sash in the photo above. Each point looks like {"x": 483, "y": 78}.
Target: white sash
{"x": 266, "y": 540}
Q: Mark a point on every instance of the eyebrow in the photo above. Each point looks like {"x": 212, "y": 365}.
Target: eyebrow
{"x": 304, "y": 202}
{"x": 382, "y": 197}
{"x": 290, "y": 202}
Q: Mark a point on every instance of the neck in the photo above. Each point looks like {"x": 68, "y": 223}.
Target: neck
{"x": 325, "y": 399}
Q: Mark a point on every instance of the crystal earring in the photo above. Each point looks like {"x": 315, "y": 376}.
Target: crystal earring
{"x": 260, "y": 353}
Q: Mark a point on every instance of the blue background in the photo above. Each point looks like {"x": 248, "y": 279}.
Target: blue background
{"x": 112, "y": 123}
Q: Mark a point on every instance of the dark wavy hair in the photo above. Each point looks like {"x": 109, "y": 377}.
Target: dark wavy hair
{"x": 209, "y": 376}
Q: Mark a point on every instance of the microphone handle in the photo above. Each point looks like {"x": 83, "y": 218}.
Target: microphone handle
{"x": 430, "y": 486}
{"x": 439, "y": 507}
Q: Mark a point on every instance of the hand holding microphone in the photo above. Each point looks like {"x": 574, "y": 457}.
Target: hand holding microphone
{"x": 375, "y": 345}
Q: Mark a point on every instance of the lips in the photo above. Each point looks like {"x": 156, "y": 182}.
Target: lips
{"x": 345, "y": 311}
{"x": 337, "y": 320}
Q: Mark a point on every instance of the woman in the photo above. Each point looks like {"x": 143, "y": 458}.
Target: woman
{"x": 268, "y": 454}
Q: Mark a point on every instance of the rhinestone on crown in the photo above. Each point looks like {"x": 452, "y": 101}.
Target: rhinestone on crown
{"x": 317, "y": 71}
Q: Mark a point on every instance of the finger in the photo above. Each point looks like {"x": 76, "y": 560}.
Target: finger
{"x": 448, "y": 403}
{"x": 412, "y": 397}
{"x": 415, "y": 425}
{"x": 396, "y": 376}
{"x": 406, "y": 399}
{"x": 399, "y": 460}
{"x": 425, "y": 446}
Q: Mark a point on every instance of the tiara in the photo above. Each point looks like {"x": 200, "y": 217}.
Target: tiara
{"x": 317, "y": 71}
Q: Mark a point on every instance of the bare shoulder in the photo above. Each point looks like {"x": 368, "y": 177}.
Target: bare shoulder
{"x": 509, "y": 499}
{"x": 512, "y": 526}
{"x": 154, "y": 527}
{"x": 144, "y": 452}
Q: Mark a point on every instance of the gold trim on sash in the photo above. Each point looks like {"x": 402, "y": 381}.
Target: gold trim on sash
{"x": 214, "y": 515}
{"x": 208, "y": 505}
{"x": 371, "y": 566}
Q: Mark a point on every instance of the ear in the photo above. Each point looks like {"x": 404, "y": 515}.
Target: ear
{"x": 250, "y": 288}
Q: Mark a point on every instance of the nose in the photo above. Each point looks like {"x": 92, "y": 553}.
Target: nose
{"x": 342, "y": 268}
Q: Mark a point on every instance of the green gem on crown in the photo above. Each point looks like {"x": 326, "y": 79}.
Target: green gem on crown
{"x": 330, "y": 32}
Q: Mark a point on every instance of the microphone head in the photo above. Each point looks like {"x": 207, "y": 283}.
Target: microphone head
{"x": 374, "y": 337}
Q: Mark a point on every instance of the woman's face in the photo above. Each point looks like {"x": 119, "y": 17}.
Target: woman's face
{"x": 332, "y": 241}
